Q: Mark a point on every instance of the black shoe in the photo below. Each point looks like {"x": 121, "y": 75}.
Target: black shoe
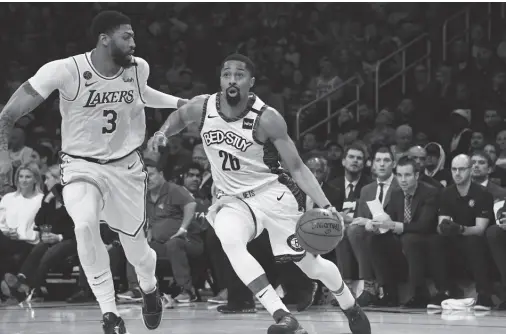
{"x": 416, "y": 302}
{"x": 152, "y": 308}
{"x": 358, "y": 321}
{"x": 17, "y": 286}
{"x": 237, "y": 308}
{"x": 112, "y": 324}
{"x": 435, "y": 302}
{"x": 388, "y": 300}
{"x": 306, "y": 297}
{"x": 366, "y": 298}
{"x": 483, "y": 303}
{"x": 285, "y": 324}
{"x": 501, "y": 306}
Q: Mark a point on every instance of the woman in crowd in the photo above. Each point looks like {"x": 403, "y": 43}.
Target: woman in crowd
{"x": 17, "y": 218}
{"x": 57, "y": 241}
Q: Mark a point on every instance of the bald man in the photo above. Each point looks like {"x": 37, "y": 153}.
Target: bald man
{"x": 403, "y": 140}
{"x": 419, "y": 154}
{"x": 464, "y": 213}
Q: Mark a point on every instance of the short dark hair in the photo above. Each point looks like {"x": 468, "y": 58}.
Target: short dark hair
{"x": 407, "y": 160}
{"x": 484, "y": 155}
{"x": 192, "y": 165}
{"x": 250, "y": 66}
{"x": 356, "y": 147}
{"x": 107, "y": 21}
{"x": 383, "y": 149}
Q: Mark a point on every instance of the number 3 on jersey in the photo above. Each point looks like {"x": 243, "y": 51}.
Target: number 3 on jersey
{"x": 111, "y": 116}
{"x": 229, "y": 161}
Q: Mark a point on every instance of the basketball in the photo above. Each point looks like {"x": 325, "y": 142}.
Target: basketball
{"x": 319, "y": 231}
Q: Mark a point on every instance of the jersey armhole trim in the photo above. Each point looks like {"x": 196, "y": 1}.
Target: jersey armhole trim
{"x": 138, "y": 83}
{"x": 78, "y": 84}
{"x": 204, "y": 112}
{"x": 257, "y": 124}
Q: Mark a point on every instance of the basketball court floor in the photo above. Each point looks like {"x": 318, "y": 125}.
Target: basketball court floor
{"x": 201, "y": 318}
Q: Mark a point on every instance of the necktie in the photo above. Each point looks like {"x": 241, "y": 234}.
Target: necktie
{"x": 380, "y": 197}
{"x": 350, "y": 192}
{"x": 407, "y": 208}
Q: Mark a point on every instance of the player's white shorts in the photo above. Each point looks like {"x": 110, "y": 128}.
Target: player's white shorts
{"x": 276, "y": 206}
{"x": 123, "y": 184}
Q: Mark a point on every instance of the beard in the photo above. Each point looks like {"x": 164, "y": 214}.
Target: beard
{"x": 120, "y": 58}
{"x": 233, "y": 100}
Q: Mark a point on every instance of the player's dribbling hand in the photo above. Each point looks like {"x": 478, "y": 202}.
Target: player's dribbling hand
{"x": 158, "y": 139}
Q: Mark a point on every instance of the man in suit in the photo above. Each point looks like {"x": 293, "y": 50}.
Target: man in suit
{"x": 481, "y": 169}
{"x": 348, "y": 191}
{"x": 412, "y": 216}
{"x": 359, "y": 233}
{"x": 419, "y": 154}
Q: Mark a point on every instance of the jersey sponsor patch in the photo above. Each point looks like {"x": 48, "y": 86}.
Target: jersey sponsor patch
{"x": 229, "y": 138}
{"x": 247, "y": 124}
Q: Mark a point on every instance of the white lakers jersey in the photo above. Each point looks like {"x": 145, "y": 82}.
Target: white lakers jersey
{"x": 102, "y": 117}
{"x": 239, "y": 161}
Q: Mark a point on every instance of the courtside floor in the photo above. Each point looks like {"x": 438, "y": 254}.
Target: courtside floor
{"x": 201, "y": 318}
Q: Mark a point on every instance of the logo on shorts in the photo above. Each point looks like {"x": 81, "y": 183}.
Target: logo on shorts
{"x": 293, "y": 243}
{"x": 87, "y": 75}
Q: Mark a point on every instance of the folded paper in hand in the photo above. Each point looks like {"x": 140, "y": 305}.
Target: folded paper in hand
{"x": 377, "y": 212}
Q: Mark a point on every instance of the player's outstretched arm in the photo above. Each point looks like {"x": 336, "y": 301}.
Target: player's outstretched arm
{"x": 21, "y": 103}
{"x": 189, "y": 113}
{"x": 274, "y": 126}
{"x": 159, "y": 100}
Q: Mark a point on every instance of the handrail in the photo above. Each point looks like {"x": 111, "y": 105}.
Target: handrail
{"x": 405, "y": 67}
{"x": 466, "y": 12}
{"x": 327, "y": 96}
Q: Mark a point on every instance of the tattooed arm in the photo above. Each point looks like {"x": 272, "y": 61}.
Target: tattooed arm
{"x": 21, "y": 103}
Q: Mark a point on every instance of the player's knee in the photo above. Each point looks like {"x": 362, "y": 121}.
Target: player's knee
{"x": 82, "y": 201}
{"x": 313, "y": 266}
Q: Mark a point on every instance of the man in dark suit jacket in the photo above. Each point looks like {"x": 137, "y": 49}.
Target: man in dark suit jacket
{"x": 348, "y": 192}
{"x": 412, "y": 217}
{"x": 481, "y": 169}
{"x": 419, "y": 154}
{"x": 358, "y": 233}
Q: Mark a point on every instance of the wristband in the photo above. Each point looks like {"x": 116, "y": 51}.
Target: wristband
{"x": 183, "y": 229}
{"x": 160, "y": 133}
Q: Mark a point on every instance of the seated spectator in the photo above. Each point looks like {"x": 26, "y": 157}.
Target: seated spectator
{"x": 481, "y": 169}
{"x": 419, "y": 155}
{"x": 501, "y": 144}
{"x": 57, "y": 241}
{"x": 494, "y": 123}
{"x": 17, "y": 217}
{"x": 412, "y": 217}
{"x": 460, "y": 139}
{"x": 435, "y": 164}
{"x": 496, "y": 237}
{"x": 464, "y": 212}
{"x": 18, "y": 152}
{"x": 477, "y": 141}
{"x": 359, "y": 234}
{"x": 403, "y": 140}
{"x": 171, "y": 234}
{"x": 334, "y": 157}
{"x": 498, "y": 175}
{"x": 199, "y": 156}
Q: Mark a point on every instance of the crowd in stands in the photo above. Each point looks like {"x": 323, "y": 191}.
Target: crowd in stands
{"x": 434, "y": 158}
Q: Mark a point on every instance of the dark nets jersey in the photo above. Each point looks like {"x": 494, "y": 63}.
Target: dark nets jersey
{"x": 239, "y": 161}
{"x": 102, "y": 117}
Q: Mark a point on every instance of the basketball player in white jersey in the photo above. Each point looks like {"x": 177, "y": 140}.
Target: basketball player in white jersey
{"x": 243, "y": 138}
{"x": 102, "y": 98}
